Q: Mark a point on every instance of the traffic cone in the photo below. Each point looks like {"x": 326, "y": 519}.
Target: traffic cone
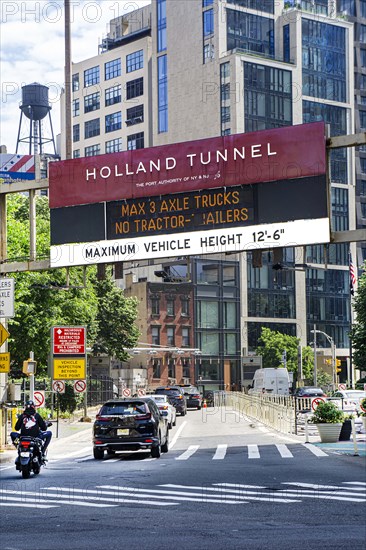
{"x": 204, "y": 404}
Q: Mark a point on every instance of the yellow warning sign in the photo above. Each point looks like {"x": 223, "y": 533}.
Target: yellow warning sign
{"x": 4, "y": 362}
{"x": 69, "y": 369}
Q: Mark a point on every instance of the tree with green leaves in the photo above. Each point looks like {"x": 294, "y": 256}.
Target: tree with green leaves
{"x": 358, "y": 332}
{"x": 43, "y": 300}
{"x": 271, "y": 346}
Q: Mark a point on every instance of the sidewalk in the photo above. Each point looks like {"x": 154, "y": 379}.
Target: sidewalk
{"x": 65, "y": 429}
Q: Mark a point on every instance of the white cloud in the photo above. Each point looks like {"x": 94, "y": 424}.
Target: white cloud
{"x": 33, "y": 50}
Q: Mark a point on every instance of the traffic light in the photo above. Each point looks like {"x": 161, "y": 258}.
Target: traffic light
{"x": 338, "y": 365}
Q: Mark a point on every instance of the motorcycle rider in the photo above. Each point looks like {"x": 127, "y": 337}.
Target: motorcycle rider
{"x": 31, "y": 424}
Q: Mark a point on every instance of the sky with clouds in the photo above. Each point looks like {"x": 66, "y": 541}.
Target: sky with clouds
{"x": 32, "y": 50}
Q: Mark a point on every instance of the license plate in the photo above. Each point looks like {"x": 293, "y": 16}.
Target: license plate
{"x": 123, "y": 432}
{"x": 24, "y": 453}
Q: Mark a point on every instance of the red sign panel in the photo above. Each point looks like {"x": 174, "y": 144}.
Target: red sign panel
{"x": 268, "y": 155}
{"x": 69, "y": 340}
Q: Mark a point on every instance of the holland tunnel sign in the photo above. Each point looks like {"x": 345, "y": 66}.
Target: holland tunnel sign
{"x": 233, "y": 193}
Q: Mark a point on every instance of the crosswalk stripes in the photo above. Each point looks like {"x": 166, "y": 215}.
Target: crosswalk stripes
{"x": 220, "y": 452}
{"x": 170, "y": 494}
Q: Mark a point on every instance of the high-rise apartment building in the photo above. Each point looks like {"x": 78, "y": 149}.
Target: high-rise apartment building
{"x": 180, "y": 70}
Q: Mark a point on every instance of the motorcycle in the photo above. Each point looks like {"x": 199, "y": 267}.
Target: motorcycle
{"x": 30, "y": 455}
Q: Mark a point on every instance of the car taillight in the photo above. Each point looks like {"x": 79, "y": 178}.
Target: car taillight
{"x": 146, "y": 416}
{"x": 195, "y": 396}
{"x": 148, "y": 441}
{"x": 25, "y": 444}
{"x": 103, "y": 418}
{"x": 179, "y": 396}
{"x": 163, "y": 407}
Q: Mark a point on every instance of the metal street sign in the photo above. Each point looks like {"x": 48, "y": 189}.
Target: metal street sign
{"x": 315, "y": 402}
{"x": 126, "y": 392}
{"x": 39, "y": 397}
{"x": 68, "y": 340}
{"x": 4, "y": 362}
{"x": 4, "y": 334}
{"x": 80, "y": 386}
{"x": 7, "y": 297}
{"x": 70, "y": 368}
{"x": 58, "y": 386}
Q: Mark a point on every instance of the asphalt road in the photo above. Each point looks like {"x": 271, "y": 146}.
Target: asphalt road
{"x": 225, "y": 483}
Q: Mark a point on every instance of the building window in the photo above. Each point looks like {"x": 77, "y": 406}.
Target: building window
{"x": 91, "y": 77}
{"x": 156, "y": 367}
{"x": 135, "y": 61}
{"x": 135, "y": 141}
{"x": 324, "y": 65}
{"x": 161, "y": 24}
{"x": 171, "y": 367}
{"x": 75, "y": 107}
{"x": 135, "y": 115}
{"x": 208, "y": 22}
{"x": 155, "y": 336}
{"x": 162, "y": 94}
{"x": 112, "y": 69}
{"x": 250, "y": 32}
{"x": 170, "y": 307}
{"x": 186, "y": 337}
{"x": 92, "y": 150}
{"x": 113, "y": 146}
{"x": 170, "y": 336}
{"x": 91, "y": 102}
{"x": 206, "y": 3}
{"x": 155, "y": 305}
{"x": 184, "y": 306}
{"x": 76, "y": 154}
{"x": 75, "y": 82}
{"x": 113, "y": 122}
{"x": 207, "y": 315}
{"x": 257, "y": 5}
{"x": 267, "y": 97}
{"x": 135, "y": 88}
{"x": 76, "y": 132}
{"x": 113, "y": 95}
{"x": 286, "y": 43}
{"x": 92, "y": 128}
{"x": 208, "y": 52}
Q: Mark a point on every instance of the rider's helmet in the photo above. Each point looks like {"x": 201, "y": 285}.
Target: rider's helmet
{"x": 29, "y": 404}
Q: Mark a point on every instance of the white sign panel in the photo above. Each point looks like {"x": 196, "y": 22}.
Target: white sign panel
{"x": 7, "y": 297}
{"x": 284, "y": 234}
{"x": 39, "y": 398}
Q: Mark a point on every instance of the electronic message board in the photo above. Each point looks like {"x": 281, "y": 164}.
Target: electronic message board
{"x": 206, "y": 215}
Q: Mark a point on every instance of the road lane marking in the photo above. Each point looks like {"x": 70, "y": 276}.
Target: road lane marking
{"x": 315, "y": 450}
{"x": 220, "y": 452}
{"x": 188, "y": 453}
{"x": 253, "y": 451}
{"x": 239, "y": 494}
{"x": 177, "y": 434}
{"x": 284, "y": 451}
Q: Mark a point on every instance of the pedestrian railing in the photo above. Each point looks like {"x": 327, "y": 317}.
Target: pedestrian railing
{"x": 281, "y": 412}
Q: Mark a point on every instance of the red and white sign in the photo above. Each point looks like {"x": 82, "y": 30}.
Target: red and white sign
{"x": 126, "y": 392}
{"x": 80, "y": 386}
{"x": 68, "y": 340}
{"x": 342, "y": 386}
{"x": 39, "y": 398}
{"x": 58, "y": 386}
{"x": 238, "y": 159}
{"x": 315, "y": 402}
{"x": 141, "y": 392}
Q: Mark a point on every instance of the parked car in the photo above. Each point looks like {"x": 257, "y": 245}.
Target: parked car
{"x": 166, "y": 408}
{"x": 309, "y": 391}
{"x": 348, "y": 400}
{"x": 176, "y": 395}
{"x": 193, "y": 397}
{"x": 130, "y": 425}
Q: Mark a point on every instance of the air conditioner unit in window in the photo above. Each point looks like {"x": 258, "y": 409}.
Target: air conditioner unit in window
{"x": 137, "y": 119}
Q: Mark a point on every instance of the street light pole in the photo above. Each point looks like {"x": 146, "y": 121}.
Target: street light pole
{"x": 333, "y": 352}
{"x": 315, "y": 357}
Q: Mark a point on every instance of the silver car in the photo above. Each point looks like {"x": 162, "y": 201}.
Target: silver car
{"x": 166, "y": 408}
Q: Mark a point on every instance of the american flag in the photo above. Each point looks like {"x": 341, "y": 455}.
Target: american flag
{"x": 352, "y": 276}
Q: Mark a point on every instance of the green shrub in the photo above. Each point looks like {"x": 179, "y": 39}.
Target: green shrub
{"x": 327, "y": 413}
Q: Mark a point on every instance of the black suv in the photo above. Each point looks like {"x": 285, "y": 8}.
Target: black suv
{"x": 192, "y": 395}
{"x": 176, "y": 396}
{"x": 130, "y": 425}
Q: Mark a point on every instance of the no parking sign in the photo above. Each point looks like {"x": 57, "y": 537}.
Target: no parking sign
{"x": 39, "y": 398}
{"x": 315, "y": 402}
{"x": 126, "y": 392}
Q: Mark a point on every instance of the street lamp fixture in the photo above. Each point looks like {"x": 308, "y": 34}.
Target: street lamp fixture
{"x": 333, "y": 351}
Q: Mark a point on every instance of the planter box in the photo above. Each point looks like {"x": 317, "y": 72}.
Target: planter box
{"x": 329, "y": 433}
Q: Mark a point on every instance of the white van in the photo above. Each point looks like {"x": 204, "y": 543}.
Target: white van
{"x": 272, "y": 381}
